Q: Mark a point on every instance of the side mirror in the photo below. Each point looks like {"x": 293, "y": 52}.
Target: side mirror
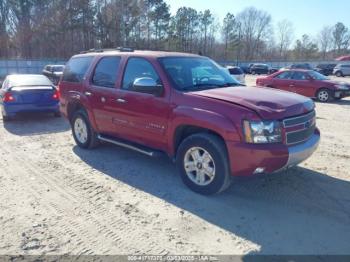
{"x": 147, "y": 85}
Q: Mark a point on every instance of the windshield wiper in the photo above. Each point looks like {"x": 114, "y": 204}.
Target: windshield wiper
{"x": 207, "y": 86}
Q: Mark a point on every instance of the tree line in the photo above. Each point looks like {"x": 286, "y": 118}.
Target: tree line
{"x": 61, "y": 28}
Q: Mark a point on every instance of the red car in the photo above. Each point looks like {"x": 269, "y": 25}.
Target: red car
{"x": 306, "y": 82}
{"x": 187, "y": 107}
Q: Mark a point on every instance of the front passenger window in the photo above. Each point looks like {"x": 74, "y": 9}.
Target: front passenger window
{"x": 138, "y": 68}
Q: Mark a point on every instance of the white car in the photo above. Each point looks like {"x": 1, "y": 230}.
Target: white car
{"x": 237, "y": 73}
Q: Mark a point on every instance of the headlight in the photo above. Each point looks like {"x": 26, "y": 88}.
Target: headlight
{"x": 260, "y": 132}
{"x": 342, "y": 87}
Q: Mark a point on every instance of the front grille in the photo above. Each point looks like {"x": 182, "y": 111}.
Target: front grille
{"x": 299, "y": 129}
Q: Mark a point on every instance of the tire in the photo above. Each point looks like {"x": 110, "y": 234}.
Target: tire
{"x": 324, "y": 95}
{"x": 81, "y": 128}
{"x": 339, "y": 74}
{"x": 217, "y": 161}
{"x": 253, "y": 73}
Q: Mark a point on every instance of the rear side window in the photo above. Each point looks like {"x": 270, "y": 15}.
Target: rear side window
{"x": 76, "y": 69}
{"x": 299, "y": 76}
{"x": 284, "y": 75}
{"x": 106, "y": 72}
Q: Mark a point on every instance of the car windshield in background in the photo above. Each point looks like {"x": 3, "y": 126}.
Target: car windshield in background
{"x": 196, "y": 73}
{"x": 235, "y": 71}
{"x": 317, "y": 76}
{"x": 29, "y": 80}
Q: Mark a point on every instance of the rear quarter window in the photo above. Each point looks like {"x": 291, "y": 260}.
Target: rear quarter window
{"x": 76, "y": 69}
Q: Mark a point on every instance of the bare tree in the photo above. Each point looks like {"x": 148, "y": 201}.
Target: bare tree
{"x": 325, "y": 40}
{"x": 341, "y": 37}
{"x": 285, "y": 35}
{"x": 255, "y": 27}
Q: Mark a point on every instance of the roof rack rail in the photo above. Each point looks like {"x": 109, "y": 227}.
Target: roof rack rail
{"x": 125, "y": 49}
{"x": 100, "y": 50}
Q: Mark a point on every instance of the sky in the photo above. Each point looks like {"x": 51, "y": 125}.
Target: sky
{"x": 307, "y": 16}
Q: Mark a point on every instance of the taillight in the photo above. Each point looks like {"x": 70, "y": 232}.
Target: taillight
{"x": 56, "y": 95}
{"x": 8, "y": 97}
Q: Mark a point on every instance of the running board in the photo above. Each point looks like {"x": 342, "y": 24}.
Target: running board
{"x": 138, "y": 148}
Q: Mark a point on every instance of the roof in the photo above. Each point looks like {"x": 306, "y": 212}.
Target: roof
{"x": 154, "y": 54}
{"x": 295, "y": 69}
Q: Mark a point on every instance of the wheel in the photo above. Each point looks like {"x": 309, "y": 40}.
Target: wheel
{"x": 57, "y": 114}
{"x": 83, "y": 133}
{"x": 339, "y": 74}
{"x": 203, "y": 164}
{"x": 323, "y": 95}
{"x": 253, "y": 73}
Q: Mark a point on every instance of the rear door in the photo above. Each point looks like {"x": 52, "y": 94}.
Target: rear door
{"x": 302, "y": 84}
{"x": 102, "y": 93}
{"x": 282, "y": 81}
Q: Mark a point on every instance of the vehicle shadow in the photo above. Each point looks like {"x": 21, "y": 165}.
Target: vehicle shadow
{"x": 342, "y": 102}
{"x": 35, "y": 124}
{"x": 299, "y": 211}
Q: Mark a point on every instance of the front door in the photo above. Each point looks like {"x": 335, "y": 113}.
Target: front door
{"x": 302, "y": 84}
{"x": 142, "y": 117}
{"x": 282, "y": 81}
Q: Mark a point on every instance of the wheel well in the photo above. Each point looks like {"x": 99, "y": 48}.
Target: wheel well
{"x": 73, "y": 107}
{"x": 324, "y": 88}
{"x": 185, "y": 131}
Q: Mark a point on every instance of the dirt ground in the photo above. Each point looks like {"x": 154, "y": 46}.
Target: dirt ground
{"x": 56, "y": 198}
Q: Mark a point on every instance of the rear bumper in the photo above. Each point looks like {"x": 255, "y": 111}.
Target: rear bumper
{"x": 14, "y": 109}
{"x": 246, "y": 159}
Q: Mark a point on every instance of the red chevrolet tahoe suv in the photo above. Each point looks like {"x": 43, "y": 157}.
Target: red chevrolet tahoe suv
{"x": 186, "y": 106}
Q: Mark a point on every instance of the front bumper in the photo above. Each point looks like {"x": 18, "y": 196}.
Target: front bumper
{"x": 341, "y": 93}
{"x": 245, "y": 159}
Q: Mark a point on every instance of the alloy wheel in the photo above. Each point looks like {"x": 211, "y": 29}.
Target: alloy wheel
{"x": 199, "y": 166}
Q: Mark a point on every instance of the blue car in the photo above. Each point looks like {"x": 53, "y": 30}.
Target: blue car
{"x": 28, "y": 93}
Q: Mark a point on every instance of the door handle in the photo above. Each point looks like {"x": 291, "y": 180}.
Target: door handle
{"x": 121, "y": 100}
{"x": 88, "y": 93}
{"x": 291, "y": 85}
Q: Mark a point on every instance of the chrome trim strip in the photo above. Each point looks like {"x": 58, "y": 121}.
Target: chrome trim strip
{"x": 299, "y": 130}
{"x": 299, "y": 153}
{"x": 302, "y": 116}
{"x": 125, "y": 145}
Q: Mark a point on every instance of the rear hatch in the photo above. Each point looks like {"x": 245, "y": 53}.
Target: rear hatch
{"x": 37, "y": 95}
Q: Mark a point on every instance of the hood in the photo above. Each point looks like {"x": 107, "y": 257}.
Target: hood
{"x": 332, "y": 83}
{"x": 268, "y": 103}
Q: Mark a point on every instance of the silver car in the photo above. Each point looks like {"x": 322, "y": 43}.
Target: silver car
{"x": 342, "y": 70}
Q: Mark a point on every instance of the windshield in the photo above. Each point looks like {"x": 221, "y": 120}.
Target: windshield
{"x": 196, "y": 73}
{"x": 317, "y": 76}
{"x": 29, "y": 80}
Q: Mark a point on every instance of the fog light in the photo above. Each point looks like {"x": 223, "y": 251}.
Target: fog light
{"x": 259, "y": 170}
